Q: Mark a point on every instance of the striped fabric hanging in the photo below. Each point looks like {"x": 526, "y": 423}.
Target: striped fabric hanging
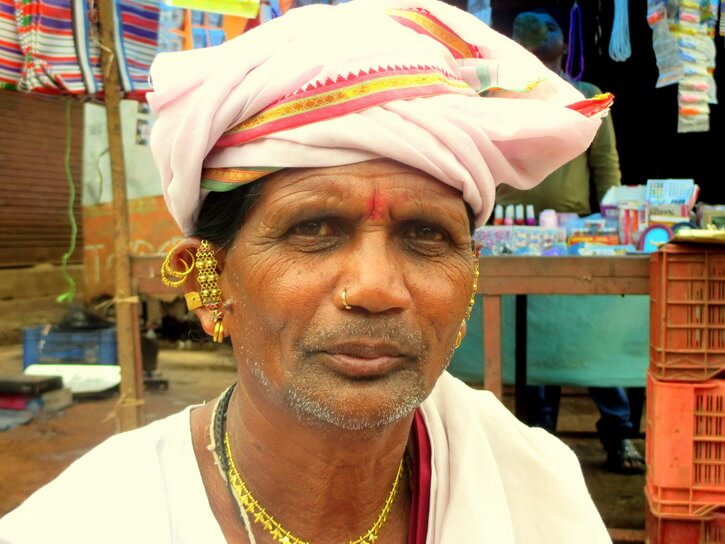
{"x": 11, "y": 56}
{"x": 55, "y": 39}
{"x": 137, "y": 36}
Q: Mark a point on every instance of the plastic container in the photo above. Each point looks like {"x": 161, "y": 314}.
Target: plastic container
{"x": 684, "y": 531}
{"x": 687, "y": 312}
{"x": 45, "y": 345}
{"x": 685, "y": 450}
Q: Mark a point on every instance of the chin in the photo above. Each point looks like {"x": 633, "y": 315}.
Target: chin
{"x": 354, "y": 404}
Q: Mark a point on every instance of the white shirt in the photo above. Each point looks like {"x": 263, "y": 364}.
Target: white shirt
{"x": 494, "y": 481}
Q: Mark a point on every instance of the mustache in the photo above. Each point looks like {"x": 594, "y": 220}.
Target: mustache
{"x": 408, "y": 341}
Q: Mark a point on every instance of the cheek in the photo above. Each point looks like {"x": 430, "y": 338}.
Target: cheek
{"x": 441, "y": 297}
{"x": 273, "y": 300}
{"x": 445, "y": 290}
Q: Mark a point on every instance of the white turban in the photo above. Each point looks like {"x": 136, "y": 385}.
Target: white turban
{"x": 416, "y": 81}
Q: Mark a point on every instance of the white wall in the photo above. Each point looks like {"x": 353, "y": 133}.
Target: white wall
{"x": 141, "y": 174}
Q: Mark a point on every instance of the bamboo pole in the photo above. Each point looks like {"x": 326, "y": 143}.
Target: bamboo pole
{"x": 127, "y": 321}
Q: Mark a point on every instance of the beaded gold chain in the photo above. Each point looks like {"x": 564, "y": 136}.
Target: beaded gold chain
{"x": 272, "y": 526}
{"x": 476, "y": 273}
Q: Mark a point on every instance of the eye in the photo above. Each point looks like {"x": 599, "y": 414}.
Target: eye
{"x": 426, "y": 232}
{"x": 314, "y": 227}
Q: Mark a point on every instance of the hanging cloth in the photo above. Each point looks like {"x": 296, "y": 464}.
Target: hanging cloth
{"x": 46, "y": 31}
{"x": 664, "y": 43}
{"x": 136, "y": 40}
{"x": 576, "y": 43}
{"x": 11, "y": 56}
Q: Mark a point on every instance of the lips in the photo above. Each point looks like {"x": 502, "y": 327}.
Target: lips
{"x": 364, "y": 359}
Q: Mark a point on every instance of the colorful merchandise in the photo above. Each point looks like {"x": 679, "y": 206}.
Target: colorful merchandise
{"x": 495, "y": 240}
{"x": 664, "y": 43}
{"x": 682, "y": 36}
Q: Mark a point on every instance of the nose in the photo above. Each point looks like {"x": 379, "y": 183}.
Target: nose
{"x": 373, "y": 277}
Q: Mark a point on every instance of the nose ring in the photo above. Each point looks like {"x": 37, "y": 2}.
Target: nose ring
{"x": 343, "y": 297}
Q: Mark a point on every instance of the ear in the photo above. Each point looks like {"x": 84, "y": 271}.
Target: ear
{"x": 184, "y": 252}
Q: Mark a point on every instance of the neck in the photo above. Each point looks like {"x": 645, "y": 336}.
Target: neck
{"x": 554, "y": 65}
{"x": 322, "y": 483}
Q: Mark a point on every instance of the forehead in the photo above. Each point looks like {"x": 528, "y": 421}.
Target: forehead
{"x": 365, "y": 179}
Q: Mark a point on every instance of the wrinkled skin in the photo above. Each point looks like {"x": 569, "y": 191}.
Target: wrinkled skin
{"x": 397, "y": 240}
{"x": 325, "y": 396}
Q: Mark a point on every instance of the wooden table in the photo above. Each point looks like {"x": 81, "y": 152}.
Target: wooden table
{"x": 625, "y": 275}
{"x": 522, "y": 276}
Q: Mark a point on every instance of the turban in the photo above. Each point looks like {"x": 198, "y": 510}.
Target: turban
{"x": 416, "y": 81}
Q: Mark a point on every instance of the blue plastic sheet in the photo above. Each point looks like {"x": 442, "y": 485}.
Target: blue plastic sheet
{"x": 598, "y": 340}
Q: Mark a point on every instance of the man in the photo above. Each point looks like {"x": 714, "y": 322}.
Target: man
{"x": 329, "y": 195}
{"x": 571, "y": 188}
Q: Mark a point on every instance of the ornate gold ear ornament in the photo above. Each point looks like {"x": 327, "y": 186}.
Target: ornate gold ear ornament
{"x": 209, "y": 291}
{"x": 176, "y": 278}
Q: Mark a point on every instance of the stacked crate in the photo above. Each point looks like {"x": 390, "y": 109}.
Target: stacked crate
{"x": 685, "y": 486}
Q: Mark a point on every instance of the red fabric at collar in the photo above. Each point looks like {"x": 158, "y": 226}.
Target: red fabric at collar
{"x": 420, "y": 481}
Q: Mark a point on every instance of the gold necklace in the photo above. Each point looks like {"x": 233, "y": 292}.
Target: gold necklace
{"x": 278, "y": 533}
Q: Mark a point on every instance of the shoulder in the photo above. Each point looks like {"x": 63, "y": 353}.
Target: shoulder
{"x": 122, "y": 477}
{"x": 476, "y": 435}
{"x": 453, "y": 402}
{"x": 587, "y": 89}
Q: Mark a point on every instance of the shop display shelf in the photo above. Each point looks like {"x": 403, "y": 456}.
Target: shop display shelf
{"x": 687, "y": 312}
{"x": 685, "y": 447}
{"x": 47, "y": 345}
{"x": 684, "y": 531}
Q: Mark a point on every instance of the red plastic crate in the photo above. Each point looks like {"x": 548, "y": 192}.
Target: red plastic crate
{"x": 684, "y": 531}
{"x": 687, "y": 312}
{"x": 685, "y": 450}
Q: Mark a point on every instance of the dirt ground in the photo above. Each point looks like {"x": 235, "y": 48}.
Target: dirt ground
{"x": 33, "y": 454}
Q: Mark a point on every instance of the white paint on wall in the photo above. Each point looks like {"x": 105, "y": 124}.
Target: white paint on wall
{"x": 142, "y": 178}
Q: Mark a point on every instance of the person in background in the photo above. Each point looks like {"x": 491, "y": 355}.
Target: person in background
{"x": 574, "y": 188}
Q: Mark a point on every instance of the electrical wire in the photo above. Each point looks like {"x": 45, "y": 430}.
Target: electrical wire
{"x": 69, "y": 295}
{"x": 619, "y": 45}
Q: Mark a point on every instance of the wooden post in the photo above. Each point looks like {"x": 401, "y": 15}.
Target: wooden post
{"x": 127, "y": 322}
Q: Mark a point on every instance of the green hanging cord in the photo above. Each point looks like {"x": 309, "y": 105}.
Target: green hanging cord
{"x": 70, "y": 294}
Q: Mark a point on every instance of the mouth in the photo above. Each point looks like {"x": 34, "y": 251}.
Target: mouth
{"x": 364, "y": 359}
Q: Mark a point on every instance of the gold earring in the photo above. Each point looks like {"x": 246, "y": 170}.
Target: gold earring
{"x": 193, "y": 300}
{"x": 209, "y": 291}
{"x": 175, "y": 278}
{"x": 218, "y": 332}
{"x": 459, "y": 339}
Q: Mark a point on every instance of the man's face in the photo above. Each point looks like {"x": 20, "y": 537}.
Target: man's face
{"x": 398, "y": 241}
{"x": 552, "y": 48}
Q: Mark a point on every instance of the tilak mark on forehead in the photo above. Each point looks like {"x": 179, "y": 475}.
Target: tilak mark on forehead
{"x": 376, "y": 206}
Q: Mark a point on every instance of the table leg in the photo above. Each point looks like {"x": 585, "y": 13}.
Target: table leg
{"x": 521, "y": 344}
{"x": 492, "y": 375}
